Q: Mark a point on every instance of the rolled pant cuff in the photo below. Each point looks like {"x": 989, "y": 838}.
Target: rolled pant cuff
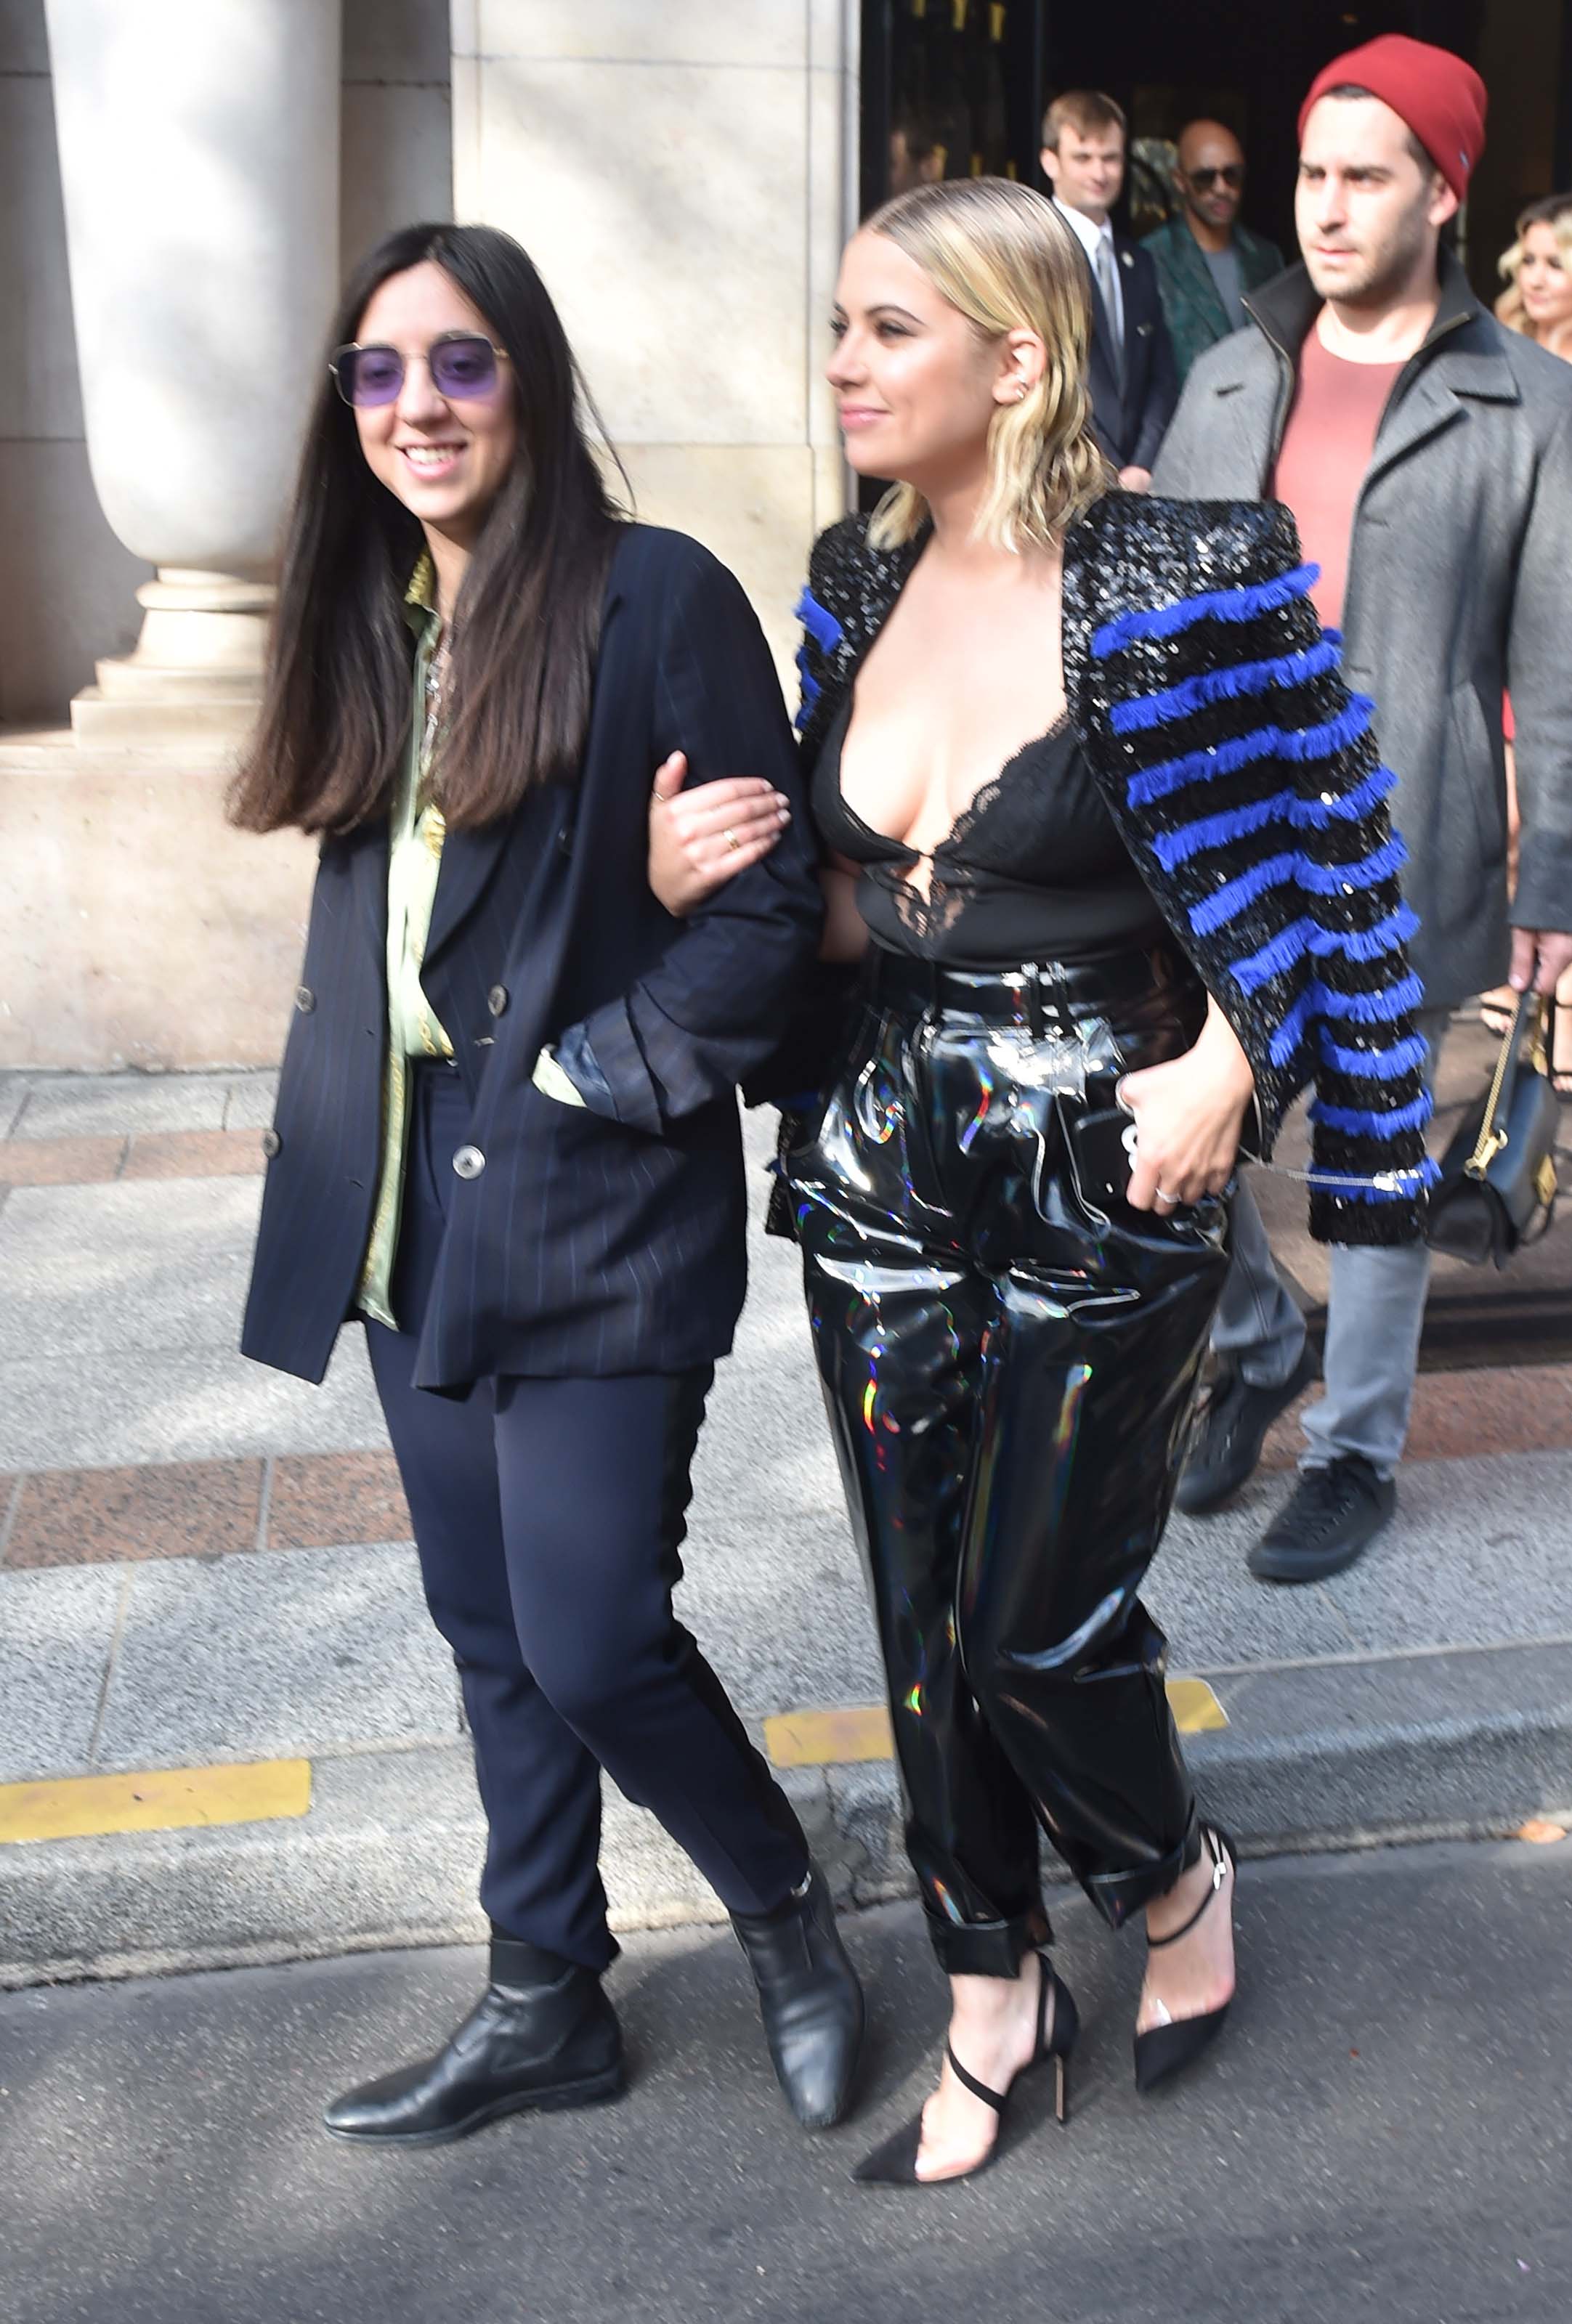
{"x": 988, "y": 1948}
{"x": 1118, "y": 1894}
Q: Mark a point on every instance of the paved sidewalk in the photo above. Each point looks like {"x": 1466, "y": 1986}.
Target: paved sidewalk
{"x": 206, "y": 1586}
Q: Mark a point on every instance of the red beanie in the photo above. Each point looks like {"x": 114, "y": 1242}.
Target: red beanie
{"x": 1441, "y": 99}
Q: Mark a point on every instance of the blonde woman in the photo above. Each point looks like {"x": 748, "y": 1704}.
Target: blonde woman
{"x": 1538, "y": 270}
{"x": 1537, "y": 302}
{"x": 1107, "y": 834}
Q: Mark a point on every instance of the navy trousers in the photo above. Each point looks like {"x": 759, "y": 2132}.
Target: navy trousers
{"x": 548, "y": 1516}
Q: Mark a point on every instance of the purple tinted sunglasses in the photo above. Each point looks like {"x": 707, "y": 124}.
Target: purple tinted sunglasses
{"x": 463, "y": 367}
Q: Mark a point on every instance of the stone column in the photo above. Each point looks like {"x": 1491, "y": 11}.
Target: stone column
{"x": 198, "y": 146}
{"x": 683, "y": 176}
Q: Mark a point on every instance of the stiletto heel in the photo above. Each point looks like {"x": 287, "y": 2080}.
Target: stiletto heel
{"x": 1163, "y": 2051}
{"x": 894, "y": 2164}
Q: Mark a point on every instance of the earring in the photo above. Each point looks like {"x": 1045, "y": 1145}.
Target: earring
{"x": 1021, "y": 392}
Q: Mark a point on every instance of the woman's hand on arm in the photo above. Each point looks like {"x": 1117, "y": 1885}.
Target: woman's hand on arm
{"x": 700, "y": 839}
{"x": 1188, "y": 1116}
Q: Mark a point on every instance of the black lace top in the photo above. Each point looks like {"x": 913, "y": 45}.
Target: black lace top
{"x": 1034, "y": 869}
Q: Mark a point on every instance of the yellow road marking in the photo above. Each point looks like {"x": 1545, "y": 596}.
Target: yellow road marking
{"x": 824, "y": 1738}
{"x": 1196, "y": 1708}
{"x": 834, "y": 1738}
{"x": 164, "y": 1799}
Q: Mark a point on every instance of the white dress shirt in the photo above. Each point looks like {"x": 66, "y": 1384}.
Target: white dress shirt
{"x": 1092, "y": 239}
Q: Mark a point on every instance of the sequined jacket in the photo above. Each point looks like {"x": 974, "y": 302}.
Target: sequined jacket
{"x": 1246, "y": 782}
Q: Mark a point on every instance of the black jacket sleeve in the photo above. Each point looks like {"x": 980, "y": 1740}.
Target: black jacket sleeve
{"x": 713, "y": 1005}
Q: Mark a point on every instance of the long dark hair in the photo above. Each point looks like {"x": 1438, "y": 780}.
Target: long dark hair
{"x": 335, "y": 704}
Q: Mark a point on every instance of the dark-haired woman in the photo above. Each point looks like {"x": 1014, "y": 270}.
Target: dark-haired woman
{"x": 506, "y": 1137}
{"x": 1108, "y": 835}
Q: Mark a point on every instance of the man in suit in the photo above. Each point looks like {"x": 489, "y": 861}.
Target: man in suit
{"x": 1426, "y": 453}
{"x": 1206, "y": 260}
{"x": 1135, "y": 386}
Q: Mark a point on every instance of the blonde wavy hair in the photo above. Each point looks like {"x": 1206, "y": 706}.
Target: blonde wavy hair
{"x": 1554, "y": 212}
{"x": 1004, "y": 258}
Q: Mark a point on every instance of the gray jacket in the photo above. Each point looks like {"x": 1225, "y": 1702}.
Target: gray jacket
{"x": 1459, "y": 586}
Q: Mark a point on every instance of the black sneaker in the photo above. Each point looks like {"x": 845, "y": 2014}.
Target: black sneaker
{"x": 1230, "y": 1431}
{"x": 1331, "y": 1517}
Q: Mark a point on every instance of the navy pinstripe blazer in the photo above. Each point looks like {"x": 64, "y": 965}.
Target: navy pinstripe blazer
{"x": 585, "y": 1245}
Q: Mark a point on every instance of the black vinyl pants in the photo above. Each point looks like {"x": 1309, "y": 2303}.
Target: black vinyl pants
{"x": 1009, "y": 1355}
{"x": 548, "y": 1516}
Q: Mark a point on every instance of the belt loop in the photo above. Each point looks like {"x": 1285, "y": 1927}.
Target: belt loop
{"x": 1033, "y": 999}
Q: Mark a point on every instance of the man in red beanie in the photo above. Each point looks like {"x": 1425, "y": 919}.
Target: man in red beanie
{"x": 1426, "y": 456}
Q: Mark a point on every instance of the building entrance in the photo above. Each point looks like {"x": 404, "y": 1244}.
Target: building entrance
{"x": 956, "y": 87}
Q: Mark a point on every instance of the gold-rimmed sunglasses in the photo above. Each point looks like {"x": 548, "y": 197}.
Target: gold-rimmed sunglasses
{"x": 463, "y": 365}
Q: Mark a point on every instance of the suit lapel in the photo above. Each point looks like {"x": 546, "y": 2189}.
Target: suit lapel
{"x": 468, "y": 859}
{"x": 1436, "y": 399}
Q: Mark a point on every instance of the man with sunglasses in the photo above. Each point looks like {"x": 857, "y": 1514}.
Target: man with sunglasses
{"x": 1206, "y": 260}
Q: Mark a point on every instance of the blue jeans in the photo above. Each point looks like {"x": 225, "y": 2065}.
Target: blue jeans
{"x": 1376, "y": 1312}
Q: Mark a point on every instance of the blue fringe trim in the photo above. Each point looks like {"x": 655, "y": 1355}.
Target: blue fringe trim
{"x": 1365, "y": 944}
{"x": 1285, "y": 951}
{"x": 1357, "y": 1122}
{"x": 1291, "y": 1033}
{"x": 1277, "y": 871}
{"x": 1272, "y": 872}
{"x": 1424, "y": 1173}
{"x": 1211, "y": 605}
{"x": 819, "y": 622}
{"x": 1376, "y": 1065}
{"x": 1289, "y": 945}
{"x": 1173, "y": 847}
{"x": 1296, "y": 744}
{"x": 1332, "y": 878}
{"x": 1381, "y": 1008}
{"x": 1221, "y": 686}
{"x": 1318, "y": 999}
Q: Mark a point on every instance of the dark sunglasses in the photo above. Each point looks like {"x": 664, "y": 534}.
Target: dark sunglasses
{"x": 1232, "y": 174}
{"x": 463, "y": 367}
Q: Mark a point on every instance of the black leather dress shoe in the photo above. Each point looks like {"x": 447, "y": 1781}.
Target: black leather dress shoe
{"x": 1331, "y": 1518}
{"x": 1230, "y": 1431}
{"x": 809, "y": 1998}
{"x": 542, "y": 2034}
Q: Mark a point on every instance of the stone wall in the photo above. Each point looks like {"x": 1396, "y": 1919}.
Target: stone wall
{"x": 679, "y": 174}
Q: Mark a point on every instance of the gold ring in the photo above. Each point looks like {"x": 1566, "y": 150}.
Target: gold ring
{"x": 731, "y": 838}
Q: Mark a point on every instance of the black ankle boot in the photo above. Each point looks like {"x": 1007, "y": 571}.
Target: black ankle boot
{"x": 809, "y": 1999}
{"x": 542, "y": 2034}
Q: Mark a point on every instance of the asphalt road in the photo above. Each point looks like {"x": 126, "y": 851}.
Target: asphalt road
{"x": 1384, "y": 2131}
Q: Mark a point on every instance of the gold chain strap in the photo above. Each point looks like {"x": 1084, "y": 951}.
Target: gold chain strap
{"x": 1494, "y": 1140}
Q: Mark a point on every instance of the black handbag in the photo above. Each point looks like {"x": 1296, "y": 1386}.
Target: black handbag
{"x": 1497, "y": 1188}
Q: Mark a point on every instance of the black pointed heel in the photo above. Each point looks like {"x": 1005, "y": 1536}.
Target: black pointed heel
{"x": 1163, "y": 2051}
{"x": 894, "y": 2164}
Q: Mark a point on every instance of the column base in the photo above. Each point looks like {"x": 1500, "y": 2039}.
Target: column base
{"x": 102, "y": 720}
{"x": 194, "y": 676}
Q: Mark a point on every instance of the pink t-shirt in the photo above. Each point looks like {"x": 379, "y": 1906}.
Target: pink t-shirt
{"x": 1326, "y": 447}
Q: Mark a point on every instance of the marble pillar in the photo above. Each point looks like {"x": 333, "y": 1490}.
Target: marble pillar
{"x": 198, "y": 147}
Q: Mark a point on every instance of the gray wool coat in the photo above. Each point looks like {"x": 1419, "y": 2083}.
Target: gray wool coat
{"x": 1459, "y": 586}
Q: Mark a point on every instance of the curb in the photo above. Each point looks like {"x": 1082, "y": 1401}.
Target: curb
{"x": 1459, "y": 1743}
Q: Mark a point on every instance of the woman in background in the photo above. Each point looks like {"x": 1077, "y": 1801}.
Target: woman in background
{"x": 1537, "y": 302}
